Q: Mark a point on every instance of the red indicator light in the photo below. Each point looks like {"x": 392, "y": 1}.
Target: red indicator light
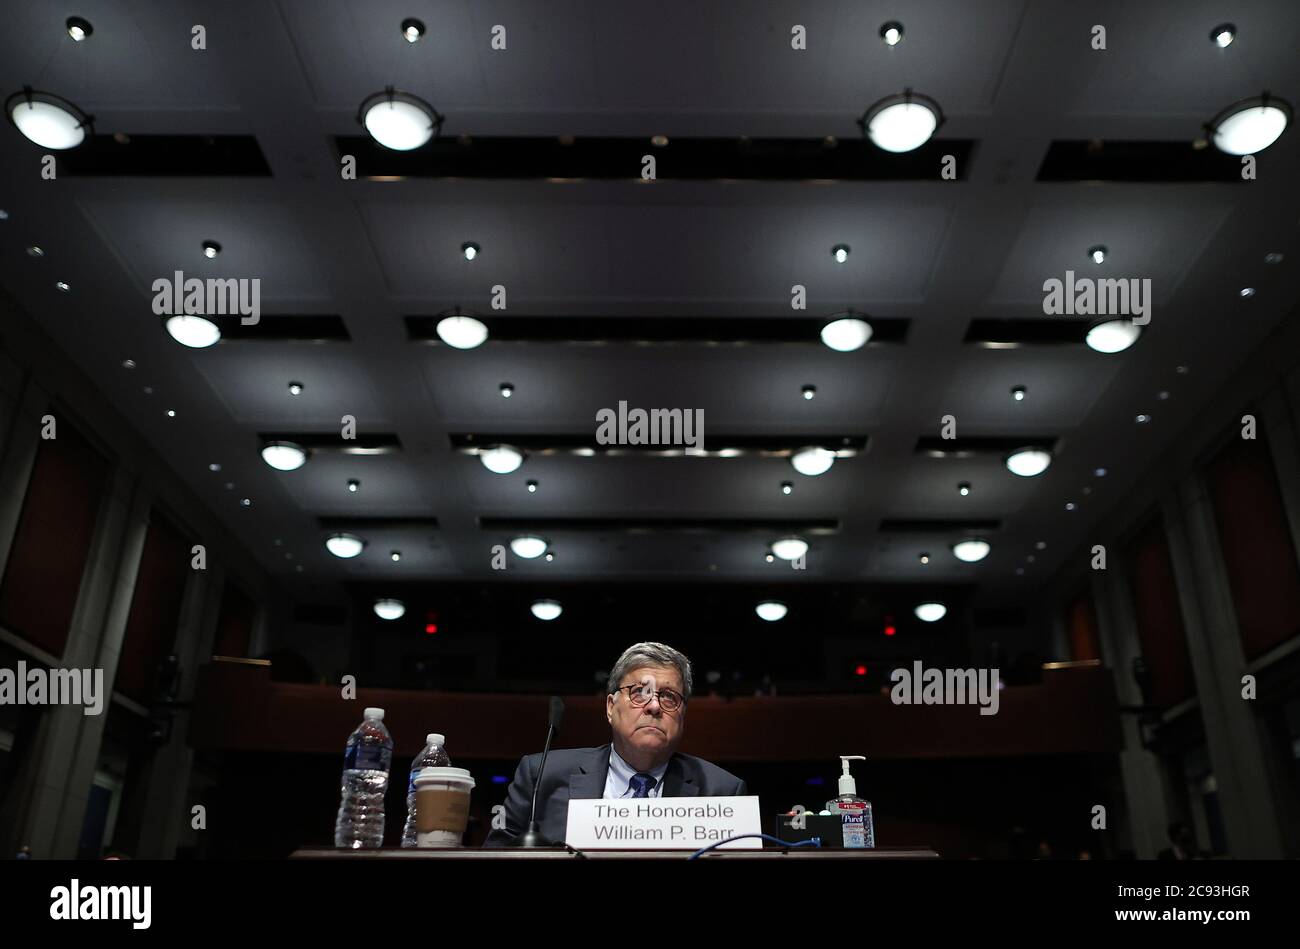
{"x": 889, "y": 630}
{"x": 860, "y": 670}
{"x": 430, "y": 628}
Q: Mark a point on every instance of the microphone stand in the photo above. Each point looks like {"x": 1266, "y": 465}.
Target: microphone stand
{"x": 532, "y": 838}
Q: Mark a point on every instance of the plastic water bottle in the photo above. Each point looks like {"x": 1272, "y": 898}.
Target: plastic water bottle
{"x": 434, "y": 755}
{"x": 366, "y": 762}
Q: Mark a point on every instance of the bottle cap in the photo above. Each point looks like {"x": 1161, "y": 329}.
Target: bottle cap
{"x": 435, "y": 739}
{"x": 374, "y": 713}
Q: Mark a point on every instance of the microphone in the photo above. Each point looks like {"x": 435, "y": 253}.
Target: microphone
{"x": 532, "y": 837}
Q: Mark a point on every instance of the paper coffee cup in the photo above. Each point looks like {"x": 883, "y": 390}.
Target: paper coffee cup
{"x": 441, "y": 806}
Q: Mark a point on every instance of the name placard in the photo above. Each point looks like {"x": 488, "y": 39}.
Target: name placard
{"x": 663, "y": 823}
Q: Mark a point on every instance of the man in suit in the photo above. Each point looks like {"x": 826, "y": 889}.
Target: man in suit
{"x": 645, "y": 704}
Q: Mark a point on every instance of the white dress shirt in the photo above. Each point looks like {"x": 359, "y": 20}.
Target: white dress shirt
{"x": 618, "y": 780}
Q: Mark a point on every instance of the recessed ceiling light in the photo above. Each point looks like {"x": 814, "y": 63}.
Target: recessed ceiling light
{"x": 924, "y": 558}
{"x": 1273, "y": 258}
{"x": 771, "y": 610}
{"x": 532, "y": 487}
{"x": 4, "y": 215}
{"x": 547, "y": 609}
{"x": 462, "y": 332}
{"x": 284, "y": 456}
{"x": 809, "y": 392}
{"x": 1247, "y": 292}
{"x": 963, "y": 488}
{"x": 1183, "y": 370}
{"x": 659, "y": 141}
{"x": 1112, "y": 336}
{"x": 812, "y": 461}
{"x": 790, "y": 548}
{"x": 930, "y": 612}
{"x": 1250, "y": 125}
{"x": 214, "y": 466}
{"x": 528, "y": 546}
{"x": 390, "y": 609}
{"x": 1223, "y": 35}
{"x": 470, "y": 250}
{"x": 128, "y": 363}
{"x": 501, "y": 459}
{"x": 396, "y": 556}
{"x": 295, "y": 388}
{"x": 354, "y": 485}
{"x": 892, "y": 33}
{"x": 246, "y": 502}
{"x": 770, "y": 558}
{"x": 1041, "y": 545}
{"x": 61, "y": 286}
{"x": 344, "y": 545}
{"x": 1162, "y": 395}
{"x": 78, "y": 28}
{"x": 787, "y": 487}
{"x": 972, "y": 550}
{"x": 1142, "y": 418}
{"x": 507, "y": 390}
{"x": 1099, "y": 472}
{"x": 211, "y": 249}
{"x": 1070, "y": 505}
{"x": 196, "y": 332}
{"x": 399, "y": 120}
{"x": 1020, "y": 571}
{"x": 412, "y": 30}
{"x": 36, "y": 251}
{"x": 840, "y": 252}
{"x": 1097, "y": 253}
{"x": 1018, "y": 393}
{"x": 847, "y": 334}
{"x": 550, "y": 555}
{"x": 1028, "y": 462}
{"x": 171, "y": 413}
{"x": 901, "y": 123}
{"x": 48, "y": 120}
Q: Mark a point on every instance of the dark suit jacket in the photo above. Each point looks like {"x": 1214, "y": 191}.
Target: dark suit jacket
{"x": 577, "y": 773}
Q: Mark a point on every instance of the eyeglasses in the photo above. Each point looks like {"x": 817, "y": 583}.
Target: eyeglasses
{"x": 639, "y": 696}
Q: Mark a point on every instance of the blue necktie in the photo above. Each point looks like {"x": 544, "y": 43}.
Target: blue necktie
{"x": 641, "y": 783}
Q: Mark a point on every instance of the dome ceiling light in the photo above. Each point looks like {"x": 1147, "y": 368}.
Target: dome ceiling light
{"x": 399, "y": 120}
{"x": 1112, "y": 336}
{"x": 284, "y": 456}
{"x": 528, "y": 546}
{"x": 344, "y": 545}
{"x": 390, "y": 609}
{"x": 812, "y": 461}
{"x": 902, "y": 122}
{"x": 460, "y": 331}
{"x": 972, "y": 550}
{"x": 1028, "y": 462}
{"x": 771, "y": 610}
{"x": 1250, "y": 125}
{"x": 47, "y": 120}
{"x": 547, "y": 610}
{"x": 930, "y": 612}
{"x": 196, "y": 332}
{"x": 790, "y": 548}
{"x": 846, "y": 334}
{"x": 501, "y": 459}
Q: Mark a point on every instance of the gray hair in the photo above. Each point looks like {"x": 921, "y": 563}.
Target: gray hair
{"x": 650, "y": 654}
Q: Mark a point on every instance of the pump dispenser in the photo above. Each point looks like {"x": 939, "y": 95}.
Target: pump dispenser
{"x": 854, "y": 812}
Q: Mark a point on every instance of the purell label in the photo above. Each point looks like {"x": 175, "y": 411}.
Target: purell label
{"x": 855, "y": 820}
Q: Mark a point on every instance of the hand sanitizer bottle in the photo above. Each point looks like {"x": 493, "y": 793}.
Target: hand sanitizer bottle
{"x": 854, "y": 812}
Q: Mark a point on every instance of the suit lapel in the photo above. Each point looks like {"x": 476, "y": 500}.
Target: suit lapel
{"x": 676, "y": 783}
{"x": 589, "y": 780}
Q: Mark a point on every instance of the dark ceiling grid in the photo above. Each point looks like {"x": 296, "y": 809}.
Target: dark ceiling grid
{"x": 985, "y": 214}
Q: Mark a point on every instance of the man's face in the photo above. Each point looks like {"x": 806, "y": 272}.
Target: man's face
{"x": 648, "y": 729}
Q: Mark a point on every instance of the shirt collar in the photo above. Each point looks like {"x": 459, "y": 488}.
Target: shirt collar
{"x": 623, "y": 771}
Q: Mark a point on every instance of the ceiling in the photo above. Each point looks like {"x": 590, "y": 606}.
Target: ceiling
{"x": 1012, "y": 77}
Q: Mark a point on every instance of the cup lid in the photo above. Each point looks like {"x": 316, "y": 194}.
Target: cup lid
{"x": 445, "y": 774}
